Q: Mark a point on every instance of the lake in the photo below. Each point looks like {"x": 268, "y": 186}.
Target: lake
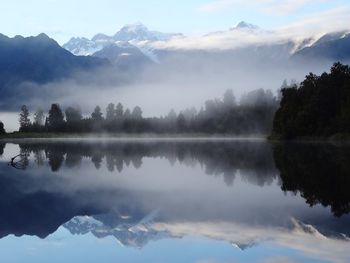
{"x": 174, "y": 200}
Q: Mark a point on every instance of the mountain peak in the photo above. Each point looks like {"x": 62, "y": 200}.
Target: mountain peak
{"x": 138, "y": 26}
{"x": 101, "y": 37}
{"x": 136, "y": 31}
{"x": 43, "y": 36}
{"x": 245, "y": 25}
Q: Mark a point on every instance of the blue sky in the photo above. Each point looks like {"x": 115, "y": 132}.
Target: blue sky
{"x": 62, "y": 19}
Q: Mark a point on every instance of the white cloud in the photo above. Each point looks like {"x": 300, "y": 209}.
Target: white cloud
{"x": 312, "y": 26}
{"x": 310, "y": 243}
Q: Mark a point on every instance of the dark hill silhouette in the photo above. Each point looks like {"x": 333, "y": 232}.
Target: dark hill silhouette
{"x": 37, "y": 59}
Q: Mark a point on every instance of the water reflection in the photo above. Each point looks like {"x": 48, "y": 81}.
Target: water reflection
{"x": 221, "y": 158}
{"x": 2, "y": 147}
{"x": 320, "y": 172}
{"x": 241, "y": 192}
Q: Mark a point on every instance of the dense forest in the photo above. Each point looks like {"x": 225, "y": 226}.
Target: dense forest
{"x": 2, "y": 129}
{"x": 252, "y": 115}
{"x": 319, "y": 107}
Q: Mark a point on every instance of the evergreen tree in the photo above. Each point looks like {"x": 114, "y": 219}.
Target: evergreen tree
{"x": 2, "y": 129}
{"x": 137, "y": 113}
{"x": 110, "y": 112}
{"x": 171, "y": 115}
{"x": 97, "y": 115}
{"x": 229, "y": 99}
{"x": 24, "y": 121}
{"x": 56, "y": 118}
{"x": 39, "y": 117}
{"x": 119, "y": 111}
{"x": 181, "y": 123}
{"x": 127, "y": 114}
{"x": 319, "y": 107}
{"x": 73, "y": 115}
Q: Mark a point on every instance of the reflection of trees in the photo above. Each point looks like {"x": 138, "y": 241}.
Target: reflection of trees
{"x": 321, "y": 173}
{"x": 55, "y": 157}
{"x": 73, "y": 160}
{"x": 39, "y": 156}
{"x": 2, "y": 147}
{"x": 252, "y": 159}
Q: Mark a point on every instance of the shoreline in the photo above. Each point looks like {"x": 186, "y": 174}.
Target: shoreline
{"x": 335, "y": 138}
{"x": 17, "y": 136}
{"x": 128, "y": 137}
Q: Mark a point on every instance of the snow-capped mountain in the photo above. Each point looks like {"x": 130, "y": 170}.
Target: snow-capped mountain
{"x": 129, "y": 36}
{"x": 144, "y": 44}
{"x": 139, "y": 32}
{"x": 245, "y": 26}
{"x": 81, "y": 46}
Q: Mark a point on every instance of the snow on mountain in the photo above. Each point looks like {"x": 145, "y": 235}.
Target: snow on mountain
{"x": 139, "y": 32}
{"x": 136, "y": 35}
{"x": 245, "y": 26}
{"x": 129, "y": 231}
{"x": 82, "y": 46}
{"x": 82, "y": 225}
{"x": 245, "y": 37}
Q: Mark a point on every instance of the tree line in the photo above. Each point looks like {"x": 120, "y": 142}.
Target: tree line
{"x": 318, "y": 107}
{"x": 253, "y": 115}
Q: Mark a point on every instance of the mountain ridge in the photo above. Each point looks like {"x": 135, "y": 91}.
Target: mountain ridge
{"x": 140, "y": 37}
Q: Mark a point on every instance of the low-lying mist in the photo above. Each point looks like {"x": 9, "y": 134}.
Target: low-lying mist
{"x": 182, "y": 80}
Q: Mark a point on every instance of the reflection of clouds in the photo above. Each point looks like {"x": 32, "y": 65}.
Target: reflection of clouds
{"x": 279, "y": 259}
{"x": 302, "y": 238}
{"x": 208, "y": 261}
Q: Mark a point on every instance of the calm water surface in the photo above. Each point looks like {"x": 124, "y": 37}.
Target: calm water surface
{"x": 174, "y": 201}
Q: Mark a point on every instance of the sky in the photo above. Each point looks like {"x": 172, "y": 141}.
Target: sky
{"x": 63, "y": 19}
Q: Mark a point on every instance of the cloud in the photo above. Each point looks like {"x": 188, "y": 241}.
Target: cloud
{"x": 309, "y": 26}
{"x": 319, "y": 23}
{"x": 279, "y": 259}
{"x": 279, "y": 7}
{"x": 311, "y": 244}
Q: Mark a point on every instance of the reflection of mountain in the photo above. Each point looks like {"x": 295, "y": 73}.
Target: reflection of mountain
{"x": 129, "y": 231}
{"x": 321, "y": 173}
{"x": 34, "y": 213}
